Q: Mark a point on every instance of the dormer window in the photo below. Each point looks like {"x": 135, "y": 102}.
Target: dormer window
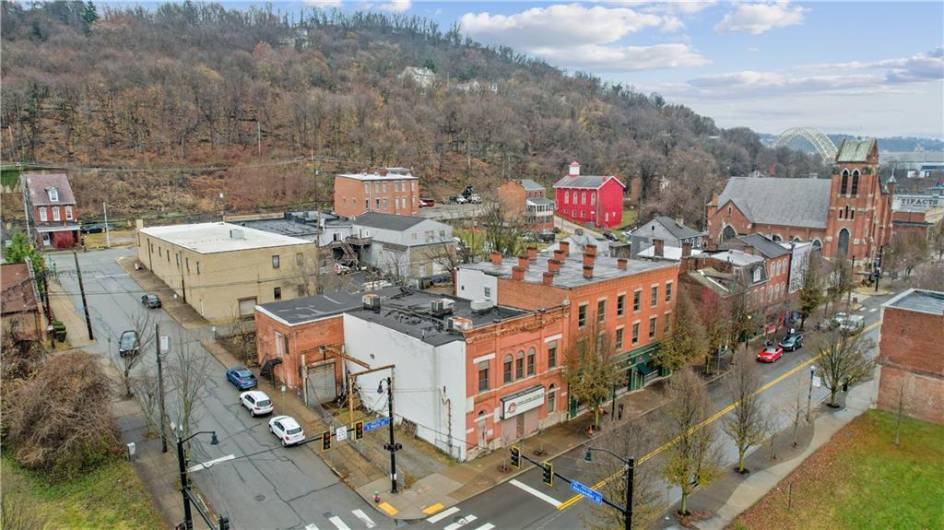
{"x": 53, "y": 194}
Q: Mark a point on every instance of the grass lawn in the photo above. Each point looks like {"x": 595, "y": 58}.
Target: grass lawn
{"x": 861, "y": 480}
{"x": 629, "y": 219}
{"x": 109, "y": 497}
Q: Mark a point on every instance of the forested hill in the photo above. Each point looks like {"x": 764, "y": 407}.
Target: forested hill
{"x": 192, "y": 99}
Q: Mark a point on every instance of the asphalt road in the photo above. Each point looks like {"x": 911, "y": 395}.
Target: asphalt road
{"x": 526, "y": 503}
{"x": 265, "y": 486}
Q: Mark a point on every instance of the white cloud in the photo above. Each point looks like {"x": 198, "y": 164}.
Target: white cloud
{"x": 761, "y": 17}
{"x": 579, "y": 36}
{"x": 324, "y": 4}
{"x": 395, "y": 6}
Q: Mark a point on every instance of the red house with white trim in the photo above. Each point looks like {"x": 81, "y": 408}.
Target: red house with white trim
{"x": 593, "y": 199}
{"x": 51, "y": 210}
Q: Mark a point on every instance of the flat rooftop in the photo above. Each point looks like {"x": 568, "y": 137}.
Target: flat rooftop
{"x": 410, "y": 312}
{"x": 571, "y": 270}
{"x": 209, "y": 238}
{"x": 312, "y": 308}
{"x": 919, "y": 300}
{"x": 391, "y": 175}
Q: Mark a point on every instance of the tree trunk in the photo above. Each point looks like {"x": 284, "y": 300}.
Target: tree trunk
{"x": 741, "y": 452}
{"x": 833, "y": 391}
{"x": 683, "y": 507}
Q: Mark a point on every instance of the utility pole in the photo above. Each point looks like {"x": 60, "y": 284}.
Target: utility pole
{"x": 628, "y": 512}
{"x": 393, "y": 446}
{"x": 809, "y": 395}
{"x": 160, "y": 387}
{"x": 88, "y": 321}
{"x": 184, "y": 484}
{"x": 107, "y": 231}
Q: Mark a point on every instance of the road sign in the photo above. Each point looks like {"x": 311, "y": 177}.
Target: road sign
{"x": 340, "y": 434}
{"x": 165, "y": 343}
{"x": 817, "y": 381}
{"x": 587, "y": 492}
{"x": 376, "y": 424}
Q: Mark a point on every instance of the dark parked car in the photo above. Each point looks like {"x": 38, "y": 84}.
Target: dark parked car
{"x": 151, "y": 301}
{"x": 610, "y": 235}
{"x": 95, "y": 228}
{"x": 128, "y": 343}
{"x": 792, "y": 342}
{"x": 241, "y": 377}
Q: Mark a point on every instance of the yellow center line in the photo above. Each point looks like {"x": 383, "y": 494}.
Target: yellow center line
{"x": 707, "y": 421}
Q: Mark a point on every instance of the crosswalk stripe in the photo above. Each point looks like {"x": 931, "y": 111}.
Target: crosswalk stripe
{"x": 486, "y": 526}
{"x": 311, "y": 526}
{"x": 363, "y": 517}
{"x": 461, "y": 522}
{"x": 336, "y": 521}
{"x": 539, "y": 494}
{"x": 442, "y": 515}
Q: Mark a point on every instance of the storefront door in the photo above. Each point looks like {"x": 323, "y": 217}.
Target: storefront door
{"x": 519, "y": 426}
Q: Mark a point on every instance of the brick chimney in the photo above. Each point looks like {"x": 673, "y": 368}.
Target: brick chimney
{"x": 659, "y": 247}
{"x": 590, "y": 250}
{"x": 517, "y": 273}
{"x": 532, "y": 254}
{"x": 588, "y": 271}
{"x": 588, "y": 260}
{"x": 559, "y": 255}
{"x": 523, "y": 262}
{"x": 565, "y": 247}
{"x": 496, "y": 257}
{"x": 686, "y": 249}
{"x": 621, "y": 263}
{"x": 553, "y": 266}
{"x": 548, "y": 278}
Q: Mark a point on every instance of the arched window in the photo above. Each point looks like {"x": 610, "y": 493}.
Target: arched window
{"x": 551, "y": 398}
{"x": 796, "y": 239}
{"x": 728, "y": 233}
{"x": 519, "y": 365}
{"x": 532, "y": 362}
{"x": 855, "y": 183}
{"x": 845, "y": 182}
{"x": 777, "y": 238}
{"x": 817, "y": 245}
{"x": 507, "y": 374}
{"x": 843, "y": 249}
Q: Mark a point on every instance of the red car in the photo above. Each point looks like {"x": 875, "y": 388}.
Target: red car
{"x": 770, "y": 354}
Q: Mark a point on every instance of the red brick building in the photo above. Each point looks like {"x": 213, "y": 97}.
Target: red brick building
{"x": 776, "y": 265}
{"x": 392, "y": 190}
{"x": 593, "y": 199}
{"x": 527, "y": 200}
{"x": 848, "y": 215}
{"x": 911, "y": 355}
{"x": 51, "y": 210}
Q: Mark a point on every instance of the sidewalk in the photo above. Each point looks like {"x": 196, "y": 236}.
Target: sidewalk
{"x": 724, "y": 499}
{"x": 69, "y": 315}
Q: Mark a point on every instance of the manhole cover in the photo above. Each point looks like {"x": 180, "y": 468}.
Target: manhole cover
{"x": 260, "y": 498}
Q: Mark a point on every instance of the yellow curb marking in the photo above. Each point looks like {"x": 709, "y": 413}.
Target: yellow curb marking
{"x": 385, "y": 506}
{"x": 430, "y": 510}
{"x": 711, "y": 419}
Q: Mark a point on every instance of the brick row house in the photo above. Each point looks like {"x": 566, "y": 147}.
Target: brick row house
{"x": 528, "y": 200}
{"x": 51, "y": 210}
{"x": 590, "y": 199}
{"x": 20, "y": 309}
{"x": 391, "y": 190}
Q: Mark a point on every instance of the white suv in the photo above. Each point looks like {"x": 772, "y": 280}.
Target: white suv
{"x": 257, "y": 402}
{"x": 287, "y": 430}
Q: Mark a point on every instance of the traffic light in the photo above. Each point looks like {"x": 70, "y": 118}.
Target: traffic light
{"x": 548, "y": 470}
{"x": 326, "y": 440}
{"x": 359, "y": 430}
{"x": 515, "y": 456}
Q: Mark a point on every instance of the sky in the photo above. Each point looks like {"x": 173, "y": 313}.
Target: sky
{"x": 864, "y": 68}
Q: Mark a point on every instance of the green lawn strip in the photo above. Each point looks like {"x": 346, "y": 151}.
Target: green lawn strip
{"x": 111, "y": 496}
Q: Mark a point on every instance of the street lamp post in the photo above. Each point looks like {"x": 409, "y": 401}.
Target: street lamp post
{"x": 809, "y": 396}
{"x": 184, "y": 480}
{"x": 629, "y": 466}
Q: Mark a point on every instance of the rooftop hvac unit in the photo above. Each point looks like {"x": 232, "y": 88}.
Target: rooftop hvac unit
{"x": 441, "y": 306}
{"x": 482, "y": 306}
{"x": 371, "y": 301}
{"x": 236, "y": 233}
{"x": 460, "y": 324}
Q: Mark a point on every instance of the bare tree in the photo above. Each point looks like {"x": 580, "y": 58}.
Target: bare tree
{"x": 142, "y": 323}
{"x": 188, "y": 376}
{"x": 811, "y": 294}
{"x": 503, "y": 230}
{"x": 843, "y": 361}
{"x": 146, "y": 392}
{"x": 747, "y": 424}
{"x": 693, "y": 458}
{"x": 906, "y": 251}
{"x": 841, "y": 281}
{"x": 795, "y": 406}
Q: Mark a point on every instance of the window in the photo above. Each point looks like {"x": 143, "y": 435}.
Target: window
{"x": 845, "y": 182}
{"x": 601, "y": 310}
{"x": 619, "y": 339}
{"x": 667, "y": 324}
{"x": 385, "y": 204}
{"x": 187, "y": 264}
{"x": 620, "y": 305}
{"x": 442, "y": 234}
{"x": 637, "y": 294}
{"x": 483, "y": 376}
{"x": 635, "y": 332}
{"x": 552, "y": 355}
{"x": 68, "y": 213}
{"x": 487, "y": 291}
{"x": 198, "y": 267}
{"x": 668, "y": 292}
{"x": 53, "y": 194}
{"x": 582, "y": 315}
{"x": 367, "y": 204}
{"x": 583, "y": 198}
{"x": 275, "y": 262}
{"x": 551, "y": 398}
{"x": 654, "y": 296}
{"x": 757, "y": 274}
{"x": 56, "y": 215}
{"x": 855, "y": 183}
{"x": 43, "y": 214}
{"x": 507, "y": 375}
{"x": 652, "y": 327}
{"x": 519, "y": 365}
{"x": 565, "y": 198}
{"x": 532, "y": 359}
{"x": 177, "y": 258}
{"x": 299, "y": 259}
{"x": 367, "y": 188}
{"x": 277, "y": 293}
{"x": 378, "y": 203}
{"x": 593, "y": 199}
{"x": 159, "y": 252}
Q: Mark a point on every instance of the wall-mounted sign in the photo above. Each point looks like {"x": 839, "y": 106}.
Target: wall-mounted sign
{"x": 523, "y": 401}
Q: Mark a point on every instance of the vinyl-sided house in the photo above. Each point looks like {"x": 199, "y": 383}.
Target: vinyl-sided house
{"x": 593, "y": 199}
{"x": 413, "y": 249}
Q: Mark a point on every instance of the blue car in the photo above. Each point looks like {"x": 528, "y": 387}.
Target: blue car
{"x": 241, "y": 377}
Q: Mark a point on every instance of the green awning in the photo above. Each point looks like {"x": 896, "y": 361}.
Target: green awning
{"x": 629, "y": 358}
{"x": 643, "y": 369}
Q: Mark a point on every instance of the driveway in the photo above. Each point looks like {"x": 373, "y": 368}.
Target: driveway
{"x": 266, "y": 485}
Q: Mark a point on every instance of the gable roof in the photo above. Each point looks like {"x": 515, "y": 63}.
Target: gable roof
{"x": 855, "y": 150}
{"x": 38, "y": 183}
{"x": 800, "y": 202}
{"x": 767, "y": 248}
{"x": 586, "y": 181}
{"x": 17, "y": 293}
{"x": 677, "y": 229}
{"x": 388, "y": 221}
{"x": 531, "y": 185}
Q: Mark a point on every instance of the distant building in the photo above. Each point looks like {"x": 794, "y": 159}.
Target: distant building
{"x": 392, "y": 190}
{"x": 51, "y": 210}
{"x": 597, "y": 200}
{"x": 672, "y": 232}
{"x": 422, "y": 77}
{"x": 527, "y": 200}
{"x": 911, "y": 360}
{"x": 413, "y": 250}
{"x": 223, "y": 270}
{"x": 916, "y": 212}
{"x": 20, "y": 311}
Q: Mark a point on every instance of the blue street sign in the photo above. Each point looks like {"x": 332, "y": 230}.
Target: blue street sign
{"x": 587, "y": 492}
{"x": 376, "y": 424}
